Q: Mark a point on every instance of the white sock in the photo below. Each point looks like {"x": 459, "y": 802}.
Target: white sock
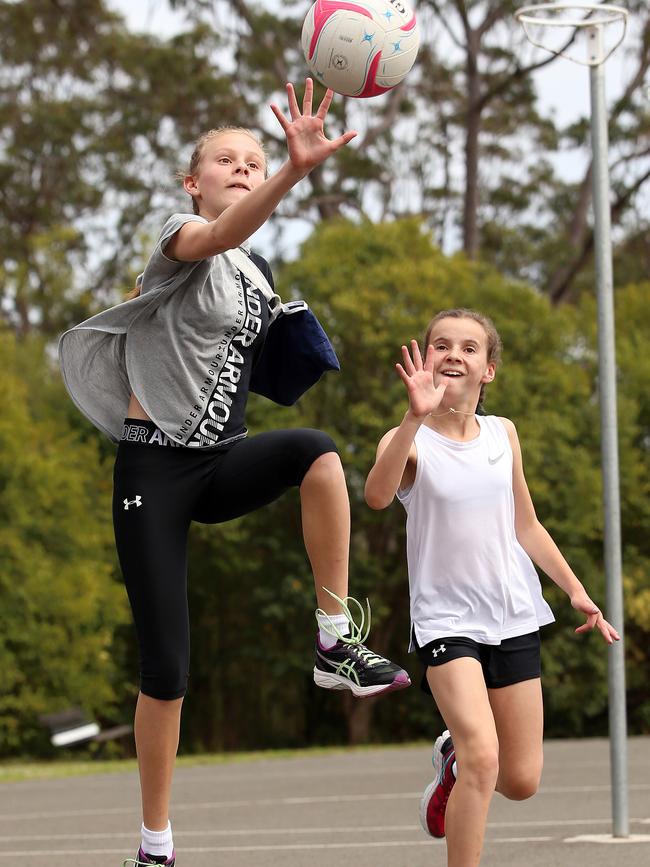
{"x": 339, "y": 620}
{"x": 158, "y": 842}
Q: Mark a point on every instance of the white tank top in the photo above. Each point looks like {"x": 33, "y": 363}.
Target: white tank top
{"x": 468, "y": 574}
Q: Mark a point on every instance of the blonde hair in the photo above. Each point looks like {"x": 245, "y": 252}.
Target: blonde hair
{"x": 494, "y": 344}
{"x": 195, "y": 162}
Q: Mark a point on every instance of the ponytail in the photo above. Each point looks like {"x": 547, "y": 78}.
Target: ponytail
{"x": 136, "y": 291}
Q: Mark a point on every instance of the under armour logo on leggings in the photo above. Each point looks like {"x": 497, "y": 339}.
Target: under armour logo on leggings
{"x": 136, "y": 502}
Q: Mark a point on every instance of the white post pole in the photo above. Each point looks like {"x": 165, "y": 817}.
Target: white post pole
{"x": 609, "y": 432}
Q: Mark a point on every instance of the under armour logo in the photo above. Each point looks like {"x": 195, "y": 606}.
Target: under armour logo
{"x": 137, "y": 502}
{"x": 494, "y": 460}
{"x": 438, "y": 650}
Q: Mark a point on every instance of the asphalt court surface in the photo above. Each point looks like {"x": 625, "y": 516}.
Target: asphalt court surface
{"x": 349, "y": 809}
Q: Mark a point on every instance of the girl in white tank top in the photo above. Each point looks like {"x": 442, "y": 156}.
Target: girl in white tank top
{"x": 476, "y": 601}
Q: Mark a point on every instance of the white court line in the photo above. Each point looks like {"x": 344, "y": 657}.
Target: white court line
{"x": 387, "y": 844}
{"x": 607, "y": 838}
{"x": 337, "y": 829}
{"x": 275, "y": 802}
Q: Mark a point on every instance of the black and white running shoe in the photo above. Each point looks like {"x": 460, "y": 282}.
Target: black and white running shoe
{"x": 144, "y": 860}
{"x": 349, "y": 664}
{"x": 353, "y": 666}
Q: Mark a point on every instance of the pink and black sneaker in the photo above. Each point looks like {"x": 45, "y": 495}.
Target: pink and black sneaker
{"x": 144, "y": 860}
{"x": 434, "y": 800}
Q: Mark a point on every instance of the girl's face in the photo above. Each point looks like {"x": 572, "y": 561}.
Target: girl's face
{"x": 461, "y": 357}
{"x": 232, "y": 164}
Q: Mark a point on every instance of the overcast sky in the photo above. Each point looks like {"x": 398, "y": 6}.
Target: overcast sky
{"x": 563, "y": 86}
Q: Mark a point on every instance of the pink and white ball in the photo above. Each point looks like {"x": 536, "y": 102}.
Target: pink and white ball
{"x": 360, "y": 47}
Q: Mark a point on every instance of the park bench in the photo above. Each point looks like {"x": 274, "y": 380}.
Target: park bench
{"x": 72, "y": 727}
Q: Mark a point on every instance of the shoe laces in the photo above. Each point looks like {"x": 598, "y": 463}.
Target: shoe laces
{"x": 366, "y": 655}
{"x": 137, "y": 863}
{"x": 358, "y": 632}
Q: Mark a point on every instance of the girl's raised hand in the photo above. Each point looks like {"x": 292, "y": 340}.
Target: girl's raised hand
{"x": 306, "y": 141}
{"x": 417, "y": 376}
{"x": 581, "y": 602}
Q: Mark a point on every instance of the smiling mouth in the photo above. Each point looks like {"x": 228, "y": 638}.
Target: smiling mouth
{"x": 239, "y": 187}
{"x": 452, "y": 374}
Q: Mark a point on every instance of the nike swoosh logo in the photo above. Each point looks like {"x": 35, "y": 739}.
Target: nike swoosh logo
{"x": 494, "y": 460}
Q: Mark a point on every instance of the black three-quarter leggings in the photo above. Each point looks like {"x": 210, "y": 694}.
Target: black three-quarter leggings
{"x": 158, "y": 491}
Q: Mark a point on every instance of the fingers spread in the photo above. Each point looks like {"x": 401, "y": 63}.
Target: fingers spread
{"x": 306, "y": 100}
{"x": 293, "y": 103}
{"x": 343, "y": 139}
{"x": 408, "y": 364}
{"x": 403, "y": 374}
{"x": 323, "y": 108}
{"x": 417, "y": 357}
{"x": 284, "y": 123}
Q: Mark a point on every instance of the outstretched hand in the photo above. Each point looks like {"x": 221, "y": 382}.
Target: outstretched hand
{"x": 306, "y": 140}
{"x": 417, "y": 376}
{"x": 581, "y": 602}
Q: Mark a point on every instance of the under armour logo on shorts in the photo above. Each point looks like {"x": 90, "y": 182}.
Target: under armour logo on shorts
{"x": 438, "y": 650}
{"x": 137, "y": 502}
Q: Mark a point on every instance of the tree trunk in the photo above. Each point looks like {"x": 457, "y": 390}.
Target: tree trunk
{"x": 471, "y": 198}
{"x": 359, "y": 712}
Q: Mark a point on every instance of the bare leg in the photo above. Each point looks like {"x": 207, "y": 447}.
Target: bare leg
{"x": 157, "y": 727}
{"x": 326, "y": 528}
{"x": 519, "y": 718}
{"x": 459, "y": 690}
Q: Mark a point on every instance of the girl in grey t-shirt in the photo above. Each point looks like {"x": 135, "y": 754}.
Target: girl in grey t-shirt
{"x": 167, "y": 374}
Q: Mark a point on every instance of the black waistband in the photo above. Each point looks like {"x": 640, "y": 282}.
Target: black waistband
{"x": 146, "y": 432}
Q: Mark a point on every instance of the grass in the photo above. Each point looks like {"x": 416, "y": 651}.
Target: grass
{"x": 16, "y": 771}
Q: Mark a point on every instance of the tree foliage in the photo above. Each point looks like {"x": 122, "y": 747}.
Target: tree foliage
{"x": 61, "y": 605}
{"x": 95, "y": 120}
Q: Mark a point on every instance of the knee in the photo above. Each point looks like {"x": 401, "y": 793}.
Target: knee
{"x": 520, "y": 786}
{"x": 481, "y": 764}
{"x": 166, "y": 680}
{"x": 318, "y": 452}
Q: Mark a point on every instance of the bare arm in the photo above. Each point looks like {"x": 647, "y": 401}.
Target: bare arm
{"x": 307, "y": 146}
{"x": 394, "y": 465}
{"x": 195, "y": 241}
{"x": 396, "y": 460}
{"x": 541, "y": 548}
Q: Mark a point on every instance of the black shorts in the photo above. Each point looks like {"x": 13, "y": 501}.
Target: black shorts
{"x": 512, "y": 661}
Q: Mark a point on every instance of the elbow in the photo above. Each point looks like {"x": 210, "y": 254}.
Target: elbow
{"x": 376, "y": 500}
{"x": 225, "y": 237}
{"x": 526, "y": 533}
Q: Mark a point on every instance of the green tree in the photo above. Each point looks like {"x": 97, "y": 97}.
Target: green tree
{"x": 92, "y": 120}
{"x": 61, "y": 605}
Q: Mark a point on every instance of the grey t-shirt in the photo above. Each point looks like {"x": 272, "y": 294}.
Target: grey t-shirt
{"x": 169, "y": 346}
